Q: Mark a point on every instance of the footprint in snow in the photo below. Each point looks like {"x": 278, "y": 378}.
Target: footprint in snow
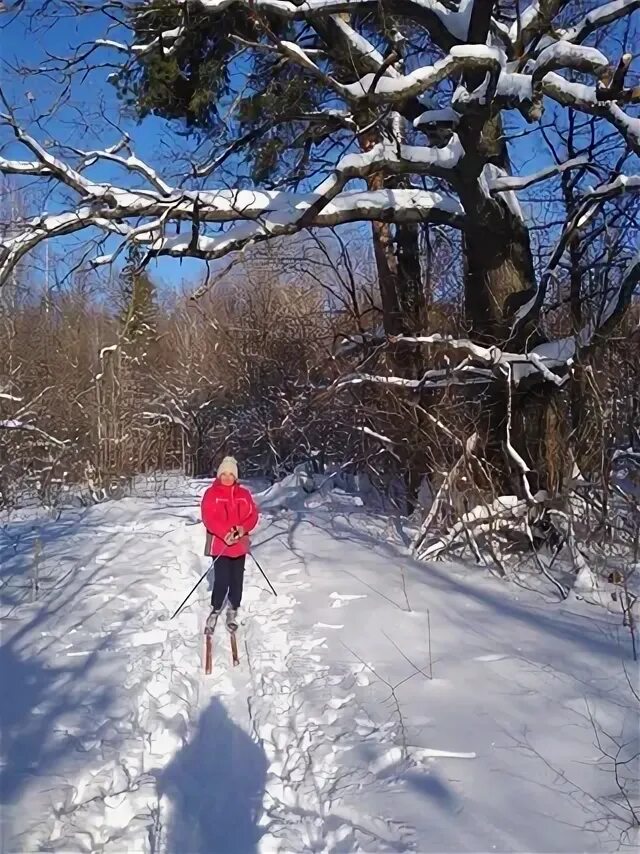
{"x": 341, "y": 599}
{"x": 336, "y": 703}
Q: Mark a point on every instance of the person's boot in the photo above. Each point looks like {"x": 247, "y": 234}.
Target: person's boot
{"x": 232, "y": 619}
{"x": 212, "y": 619}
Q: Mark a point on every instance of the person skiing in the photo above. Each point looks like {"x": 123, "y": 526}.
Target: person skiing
{"x": 229, "y": 514}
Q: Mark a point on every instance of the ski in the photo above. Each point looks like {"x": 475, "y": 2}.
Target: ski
{"x": 208, "y": 652}
{"x": 234, "y": 649}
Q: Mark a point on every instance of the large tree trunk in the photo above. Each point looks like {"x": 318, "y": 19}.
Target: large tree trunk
{"x": 499, "y": 275}
{"x": 499, "y": 278}
{"x": 499, "y": 271}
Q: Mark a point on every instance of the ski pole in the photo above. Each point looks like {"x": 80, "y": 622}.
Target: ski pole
{"x": 264, "y": 574}
{"x": 188, "y": 596}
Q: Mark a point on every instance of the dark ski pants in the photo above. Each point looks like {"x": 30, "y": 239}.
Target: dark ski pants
{"x": 228, "y": 578}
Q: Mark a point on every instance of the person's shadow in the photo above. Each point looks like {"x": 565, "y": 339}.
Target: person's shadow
{"x": 215, "y": 785}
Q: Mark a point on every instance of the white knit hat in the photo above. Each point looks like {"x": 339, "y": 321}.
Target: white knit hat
{"x": 228, "y": 465}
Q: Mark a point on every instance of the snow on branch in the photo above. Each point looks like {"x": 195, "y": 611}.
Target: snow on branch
{"x": 536, "y": 25}
{"x": 24, "y": 426}
{"x": 585, "y": 99}
{"x": 509, "y": 183}
{"x": 354, "y": 206}
{"x": 591, "y": 202}
{"x": 563, "y": 352}
{"x": 447, "y": 24}
{"x": 432, "y": 379}
{"x": 13, "y": 248}
{"x": 563, "y": 54}
{"x": 399, "y": 159}
{"x": 360, "y": 49}
{"x": 220, "y": 221}
{"x": 130, "y": 163}
{"x": 601, "y": 16}
{"x": 166, "y": 43}
{"x": 142, "y": 216}
{"x": 385, "y": 441}
{"x": 461, "y": 58}
{"x": 521, "y": 90}
{"x": 261, "y": 214}
{"x": 551, "y": 365}
{"x": 500, "y": 513}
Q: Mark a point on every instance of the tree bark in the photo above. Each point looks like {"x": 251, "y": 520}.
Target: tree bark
{"x": 499, "y": 279}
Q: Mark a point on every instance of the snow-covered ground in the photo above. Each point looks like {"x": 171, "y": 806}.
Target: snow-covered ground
{"x": 380, "y": 704}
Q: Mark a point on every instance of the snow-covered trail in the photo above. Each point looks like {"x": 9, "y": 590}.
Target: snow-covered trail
{"x": 380, "y": 705}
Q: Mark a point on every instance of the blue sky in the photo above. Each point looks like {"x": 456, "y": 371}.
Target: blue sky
{"x": 88, "y": 98}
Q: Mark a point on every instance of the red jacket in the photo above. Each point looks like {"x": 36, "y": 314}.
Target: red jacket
{"x": 224, "y": 507}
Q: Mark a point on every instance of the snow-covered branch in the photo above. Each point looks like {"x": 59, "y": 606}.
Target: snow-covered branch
{"x": 599, "y": 17}
{"x": 591, "y": 202}
{"x": 142, "y": 216}
{"x": 585, "y": 99}
{"x": 513, "y": 183}
{"x": 501, "y": 512}
{"x": 26, "y": 427}
{"x": 463, "y": 58}
{"x": 448, "y": 25}
{"x": 432, "y": 380}
{"x": 551, "y": 364}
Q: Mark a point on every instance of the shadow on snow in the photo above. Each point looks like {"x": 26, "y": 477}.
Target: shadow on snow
{"x": 215, "y": 785}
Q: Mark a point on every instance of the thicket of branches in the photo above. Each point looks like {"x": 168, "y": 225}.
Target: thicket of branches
{"x": 491, "y": 349}
{"x": 100, "y": 386}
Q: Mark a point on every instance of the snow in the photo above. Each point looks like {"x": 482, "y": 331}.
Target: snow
{"x": 110, "y": 349}
{"x": 503, "y": 181}
{"x": 442, "y": 711}
{"x": 526, "y": 19}
{"x": 567, "y": 91}
{"x": 516, "y": 86}
{"x": 361, "y": 46}
{"x": 629, "y": 126}
{"x": 564, "y": 54}
{"x": 407, "y": 85}
{"x": 423, "y": 78}
{"x": 480, "y": 52}
{"x": 620, "y": 184}
{"x": 490, "y": 177}
{"x": 446, "y": 115}
{"x": 379, "y": 436}
{"x": 297, "y": 53}
{"x": 598, "y": 17}
{"x": 544, "y": 357}
{"x": 384, "y": 153}
{"x": 409, "y": 205}
{"x": 455, "y": 21}
{"x": 16, "y": 424}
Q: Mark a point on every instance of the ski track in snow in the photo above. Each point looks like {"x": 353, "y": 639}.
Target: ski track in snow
{"x": 327, "y": 738}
